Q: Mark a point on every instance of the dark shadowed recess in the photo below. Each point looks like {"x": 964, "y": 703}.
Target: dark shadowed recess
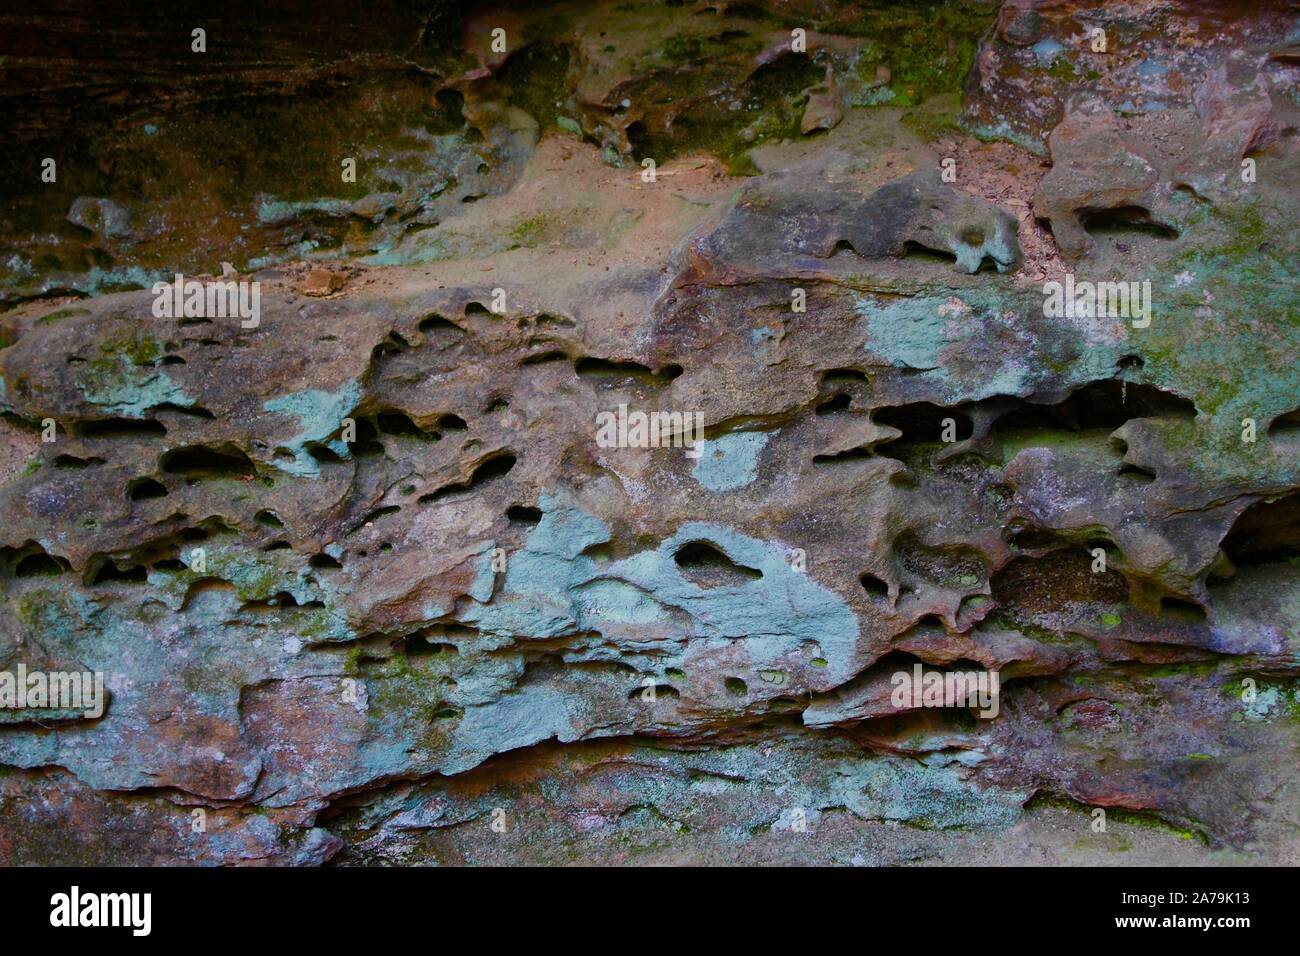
{"x": 1266, "y": 532}
{"x": 1104, "y": 404}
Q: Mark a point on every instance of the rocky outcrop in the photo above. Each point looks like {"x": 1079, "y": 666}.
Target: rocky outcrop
{"x": 369, "y": 585}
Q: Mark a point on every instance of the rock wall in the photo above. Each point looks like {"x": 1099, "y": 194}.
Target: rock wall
{"x": 388, "y": 569}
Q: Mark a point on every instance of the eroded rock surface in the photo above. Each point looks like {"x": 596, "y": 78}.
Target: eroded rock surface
{"x": 368, "y": 589}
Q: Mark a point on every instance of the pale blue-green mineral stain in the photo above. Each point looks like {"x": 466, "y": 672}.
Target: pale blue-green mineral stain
{"x": 534, "y": 600}
{"x": 908, "y": 332}
{"x": 971, "y": 346}
{"x": 890, "y": 788}
{"x": 730, "y": 461}
{"x": 1046, "y": 50}
{"x": 124, "y": 395}
{"x": 320, "y": 414}
{"x": 776, "y": 613}
{"x": 552, "y": 589}
{"x": 274, "y": 212}
{"x": 485, "y": 576}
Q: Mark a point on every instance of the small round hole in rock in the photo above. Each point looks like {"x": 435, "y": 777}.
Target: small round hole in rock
{"x": 874, "y": 586}
{"x": 144, "y": 488}
{"x": 521, "y": 514}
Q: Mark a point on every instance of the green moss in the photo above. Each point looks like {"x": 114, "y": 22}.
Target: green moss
{"x": 741, "y": 164}
{"x": 1150, "y": 820}
{"x": 931, "y": 124}
{"x": 35, "y": 606}
{"x": 141, "y": 352}
{"x": 771, "y": 107}
{"x": 1146, "y": 819}
{"x": 534, "y": 81}
{"x": 682, "y": 48}
{"x": 60, "y": 314}
{"x": 928, "y": 48}
{"x": 690, "y": 47}
{"x": 1235, "y": 264}
{"x": 530, "y": 232}
{"x": 1062, "y": 70}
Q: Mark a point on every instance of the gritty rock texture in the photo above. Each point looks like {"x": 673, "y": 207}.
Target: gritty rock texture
{"x": 366, "y": 587}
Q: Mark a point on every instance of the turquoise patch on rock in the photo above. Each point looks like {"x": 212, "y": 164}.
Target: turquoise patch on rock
{"x": 319, "y": 414}
{"x": 730, "y": 461}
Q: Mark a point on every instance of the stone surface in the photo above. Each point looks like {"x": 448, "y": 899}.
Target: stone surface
{"x": 322, "y": 282}
{"x": 367, "y": 589}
